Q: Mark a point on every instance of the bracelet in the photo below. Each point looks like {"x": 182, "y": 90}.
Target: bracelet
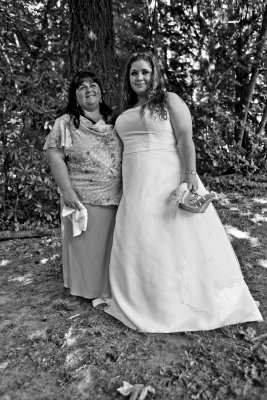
{"x": 189, "y": 171}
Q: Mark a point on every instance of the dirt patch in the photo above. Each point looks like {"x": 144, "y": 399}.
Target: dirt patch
{"x": 56, "y": 346}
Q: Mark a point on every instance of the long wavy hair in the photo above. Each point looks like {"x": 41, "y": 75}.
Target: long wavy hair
{"x": 73, "y": 108}
{"x": 156, "y": 95}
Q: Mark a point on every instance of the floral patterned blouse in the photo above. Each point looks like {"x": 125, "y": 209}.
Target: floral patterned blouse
{"x": 93, "y": 157}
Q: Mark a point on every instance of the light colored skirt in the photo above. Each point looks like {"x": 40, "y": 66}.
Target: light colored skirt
{"x": 86, "y": 257}
{"x": 171, "y": 271}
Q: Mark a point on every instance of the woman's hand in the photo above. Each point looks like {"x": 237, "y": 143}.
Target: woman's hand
{"x": 59, "y": 169}
{"x": 192, "y": 182}
{"x": 71, "y": 199}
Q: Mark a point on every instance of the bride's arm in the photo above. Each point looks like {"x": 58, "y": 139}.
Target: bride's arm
{"x": 182, "y": 126}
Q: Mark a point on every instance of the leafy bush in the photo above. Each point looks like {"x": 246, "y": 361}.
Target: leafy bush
{"x": 216, "y": 148}
{"x": 29, "y": 196}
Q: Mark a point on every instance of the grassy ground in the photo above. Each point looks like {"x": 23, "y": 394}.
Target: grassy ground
{"x": 54, "y": 346}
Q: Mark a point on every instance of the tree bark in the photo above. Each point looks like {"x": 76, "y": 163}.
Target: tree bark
{"x": 260, "y": 130}
{"x": 254, "y": 75}
{"x": 91, "y": 43}
{"x": 152, "y": 12}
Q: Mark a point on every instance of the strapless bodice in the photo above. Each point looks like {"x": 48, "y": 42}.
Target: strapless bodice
{"x": 145, "y": 133}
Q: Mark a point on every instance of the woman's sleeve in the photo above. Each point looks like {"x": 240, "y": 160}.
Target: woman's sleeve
{"x": 60, "y": 135}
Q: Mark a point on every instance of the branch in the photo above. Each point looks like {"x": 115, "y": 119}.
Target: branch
{"x": 9, "y": 235}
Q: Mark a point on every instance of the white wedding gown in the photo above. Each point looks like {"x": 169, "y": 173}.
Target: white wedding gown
{"x": 169, "y": 272}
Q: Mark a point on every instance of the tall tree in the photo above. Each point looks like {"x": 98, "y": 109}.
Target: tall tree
{"x": 91, "y": 43}
{"x": 260, "y": 47}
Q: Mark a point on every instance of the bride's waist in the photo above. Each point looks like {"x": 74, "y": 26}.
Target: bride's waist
{"x": 173, "y": 149}
{"x": 133, "y": 147}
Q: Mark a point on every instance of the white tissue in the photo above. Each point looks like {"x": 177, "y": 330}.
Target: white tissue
{"x": 77, "y": 217}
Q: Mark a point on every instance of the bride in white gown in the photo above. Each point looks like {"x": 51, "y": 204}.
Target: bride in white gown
{"x": 168, "y": 272}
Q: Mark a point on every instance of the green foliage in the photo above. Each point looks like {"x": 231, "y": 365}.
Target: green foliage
{"x": 29, "y": 196}
{"x": 254, "y": 185}
{"x": 217, "y": 150}
{"x": 208, "y": 51}
{"x": 33, "y": 39}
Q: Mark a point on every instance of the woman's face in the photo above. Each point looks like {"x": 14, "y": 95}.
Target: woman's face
{"x": 140, "y": 77}
{"x": 88, "y": 95}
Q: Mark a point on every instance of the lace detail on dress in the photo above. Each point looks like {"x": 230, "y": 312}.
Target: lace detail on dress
{"x": 93, "y": 158}
{"x": 213, "y": 282}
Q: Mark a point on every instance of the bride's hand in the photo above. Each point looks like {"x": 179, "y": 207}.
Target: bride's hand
{"x": 192, "y": 182}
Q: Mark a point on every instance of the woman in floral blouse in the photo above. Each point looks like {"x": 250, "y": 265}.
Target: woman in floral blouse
{"x": 84, "y": 155}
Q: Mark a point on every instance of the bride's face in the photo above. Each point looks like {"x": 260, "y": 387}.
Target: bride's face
{"x": 140, "y": 77}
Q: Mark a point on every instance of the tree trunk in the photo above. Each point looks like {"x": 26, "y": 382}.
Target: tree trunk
{"x": 152, "y": 13}
{"x": 91, "y": 43}
{"x": 254, "y": 75}
{"x": 260, "y": 130}
{"x": 241, "y": 70}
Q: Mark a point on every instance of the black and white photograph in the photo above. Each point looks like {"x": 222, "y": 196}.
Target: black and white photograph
{"x": 133, "y": 200}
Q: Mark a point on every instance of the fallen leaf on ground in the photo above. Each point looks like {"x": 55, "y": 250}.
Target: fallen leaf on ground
{"x": 138, "y": 391}
{"x": 4, "y": 263}
{"x": 3, "y": 365}
{"x": 38, "y": 335}
{"x": 249, "y": 334}
{"x": 44, "y": 261}
{"x": 68, "y": 339}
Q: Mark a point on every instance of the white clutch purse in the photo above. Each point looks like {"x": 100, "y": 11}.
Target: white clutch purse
{"x": 194, "y": 202}
{"x": 190, "y": 201}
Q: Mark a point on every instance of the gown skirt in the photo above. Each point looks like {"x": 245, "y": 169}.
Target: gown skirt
{"x": 86, "y": 257}
{"x": 170, "y": 271}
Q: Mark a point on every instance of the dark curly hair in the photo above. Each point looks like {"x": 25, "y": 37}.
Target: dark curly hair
{"x": 156, "y": 96}
{"x": 73, "y": 108}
